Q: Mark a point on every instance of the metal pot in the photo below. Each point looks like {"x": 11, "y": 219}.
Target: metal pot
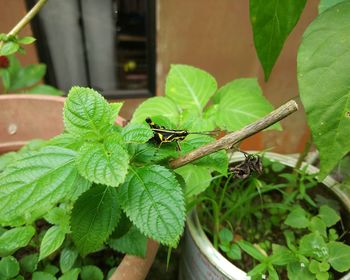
{"x": 200, "y": 260}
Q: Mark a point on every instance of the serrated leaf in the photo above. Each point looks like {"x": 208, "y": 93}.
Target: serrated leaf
{"x": 131, "y": 243}
{"x": 9, "y": 48}
{"x": 71, "y": 274}
{"x": 9, "y": 267}
{"x": 313, "y": 245}
{"x": 328, "y": 215}
{"x": 67, "y": 140}
{"x": 103, "y": 163}
{"x": 190, "y": 87}
{"x": 272, "y": 21}
{"x": 326, "y": 4}
{"x": 91, "y": 272}
{"x": 137, "y": 133}
{"x": 339, "y": 256}
{"x": 29, "y": 262}
{"x": 15, "y": 238}
{"x": 57, "y": 216}
{"x": 323, "y": 67}
{"x": 27, "y": 76}
{"x": 36, "y": 182}
{"x": 95, "y": 214}
{"x": 68, "y": 257}
{"x": 115, "y": 108}
{"x": 241, "y": 103}
{"x": 52, "y": 240}
{"x": 86, "y": 113}
{"x": 156, "y": 106}
{"x": 297, "y": 218}
{"x": 45, "y": 89}
{"x": 26, "y": 40}
{"x": 153, "y": 200}
{"x": 197, "y": 179}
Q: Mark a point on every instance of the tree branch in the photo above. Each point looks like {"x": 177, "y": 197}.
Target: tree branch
{"x": 229, "y": 140}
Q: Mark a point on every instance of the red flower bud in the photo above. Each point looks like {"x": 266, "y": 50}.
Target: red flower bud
{"x": 4, "y": 61}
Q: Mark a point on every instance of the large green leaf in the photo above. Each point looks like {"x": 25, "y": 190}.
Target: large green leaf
{"x": 339, "y": 256}
{"x": 27, "y": 76}
{"x": 324, "y": 83}
{"x": 36, "y": 182}
{"x": 153, "y": 200}
{"x": 86, "y": 113}
{"x": 326, "y": 4}
{"x": 272, "y": 21}
{"x": 52, "y": 240}
{"x": 190, "y": 87}
{"x": 104, "y": 163}
{"x": 14, "y": 239}
{"x": 156, "y": 106}
{"x": 241, "y": 102}
{"x": 95, "y": 214}
{"x": 137, "y": 133}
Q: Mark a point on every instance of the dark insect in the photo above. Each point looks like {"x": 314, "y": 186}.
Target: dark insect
{"x": 251, "y": 163}
{"x": 163, "y": 135}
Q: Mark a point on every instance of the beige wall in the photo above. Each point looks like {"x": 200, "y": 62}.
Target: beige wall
{"x": 217, "y": 37}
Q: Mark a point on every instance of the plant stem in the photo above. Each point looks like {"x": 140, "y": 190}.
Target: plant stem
{"x": 233, "y": 138}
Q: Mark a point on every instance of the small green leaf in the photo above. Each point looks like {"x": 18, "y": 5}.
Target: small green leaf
{"x": 297, "y": 218}
{"x": 328, "y": 215}
{"x": 52, "y": 240}
{"x": 9, "y": 48}
{"x": 322, "y": 276}
{"x": 67, "y": 140}
{"x": 91, "y": 272}
{"x": 26, "y": 40}
{"x": 313, "y": 266}
{"x": 281, "y": 255}
{"x": 29, "y": 263}
{"x": 71, "y": 274}
{"x": 41, "y": 275}
{"x": 45, "y": 89}
{"x": 258, "y": 270}
{"x": 15, "y": 238}
{"x": 132, "y": 243}
{"x": 272, "y": 22}
{"x": 241, "y": 103}
{"x": 152, "y": 199}
{"x": 234, "y": 252}
{"x": 6, "y": 78}
{"x": 86, "y": 113}
{"x": 27, "y": 76}
{"x": 137, "y": 133}
{"x": 9, "y": 267}
{"x": 316, "y": 224}
{"x": 52, "y": 269}
{"x": 58, "y": 216}
{"x": 104, "y": 163}
{"x": 225, "y": 235}
{"x": 339, "y": 256}
{"x": 115, "y": 108}
{"x": 273, "y": 275}
{"x": 313, "y": 245}
{"x": 95, "y": 214}
{"x": 68, "y": 257}
{"x": 156, "y": 106}
{"x": 326, "y": 4}
{"x": 297, "y": 271}
{"x": 251, "y": 250}
{"x": 323, "y": 67}
{"x": 190, "y": 87}
{"x": 324, "y": 266}
{"x": 197, "y": 179}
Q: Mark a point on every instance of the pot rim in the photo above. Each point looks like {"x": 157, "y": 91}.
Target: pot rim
{"x": 214, "y": 256}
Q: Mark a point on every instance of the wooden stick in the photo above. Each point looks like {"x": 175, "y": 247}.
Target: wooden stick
{"x": 233, "y": 138}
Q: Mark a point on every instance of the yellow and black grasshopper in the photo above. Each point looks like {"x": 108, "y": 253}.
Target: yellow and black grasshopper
{"x": 163, "y": 135}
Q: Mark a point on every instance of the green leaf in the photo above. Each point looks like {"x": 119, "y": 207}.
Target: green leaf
{"x": 258, "y": 270}
{"x": 104, "y": 163}
{"x": 324, "y": 266}
{"x": 9, "y": 48}
{"x": 156, "y": 106}
{"x": 328, "y": 215}
{"x": 323, "y": 67}
{"x": 26, "y": 40}
{"x": 6, "y": 78}
{"x": 313, "y": 245}
{"x": 6, "y": 159}
{"x": 197, "y": 179}
{"x": 153, "y": 200}
{"x": 339, "y": 256}
{"x": 29, "y": 263}
{"x": 297, "y": 271}
{"x": 251, "y": 250}
{"x": 68, "y": 257}
{"x": 45, "y": 89}
{"x": 41, "y": 275}
{"x": 318, "y": 225}
{"x": 281, "y": 255}
{"x": 15, "y": 238}
{"x": 52, "y": 269}
{"x": 297, "y": 218}
{"x": 272, "y": 273}
{"x": 234, "y": 252}
{"x": 241, "y": 103}
{"x": 189, "y": 87}
{"x": 137, "y": 133}
{"x": 67, "y": 140}
{"x": 225, "y": 235}
{"x": 71, "y": 274}
{"x": 95, "y": 214}
{"x": 27, "y": 76}
{"x": 86, "y": 113}
{"x": 272, "y": 22}
{"x": 115, "y": 108}
{"x": 326, "y": 4}
{"x": 132, "y": 243}
{"x": 91, "y": 272}
{"x": 58, "y": 216}
{"x": 9, "y": 267}
{"x": 36, "y": 182}
{"x": 322, "y": 276}
{"x": 52, "y": 240}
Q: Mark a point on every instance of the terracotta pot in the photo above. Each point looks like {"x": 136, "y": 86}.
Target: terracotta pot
{"x": 24, "y": 117}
